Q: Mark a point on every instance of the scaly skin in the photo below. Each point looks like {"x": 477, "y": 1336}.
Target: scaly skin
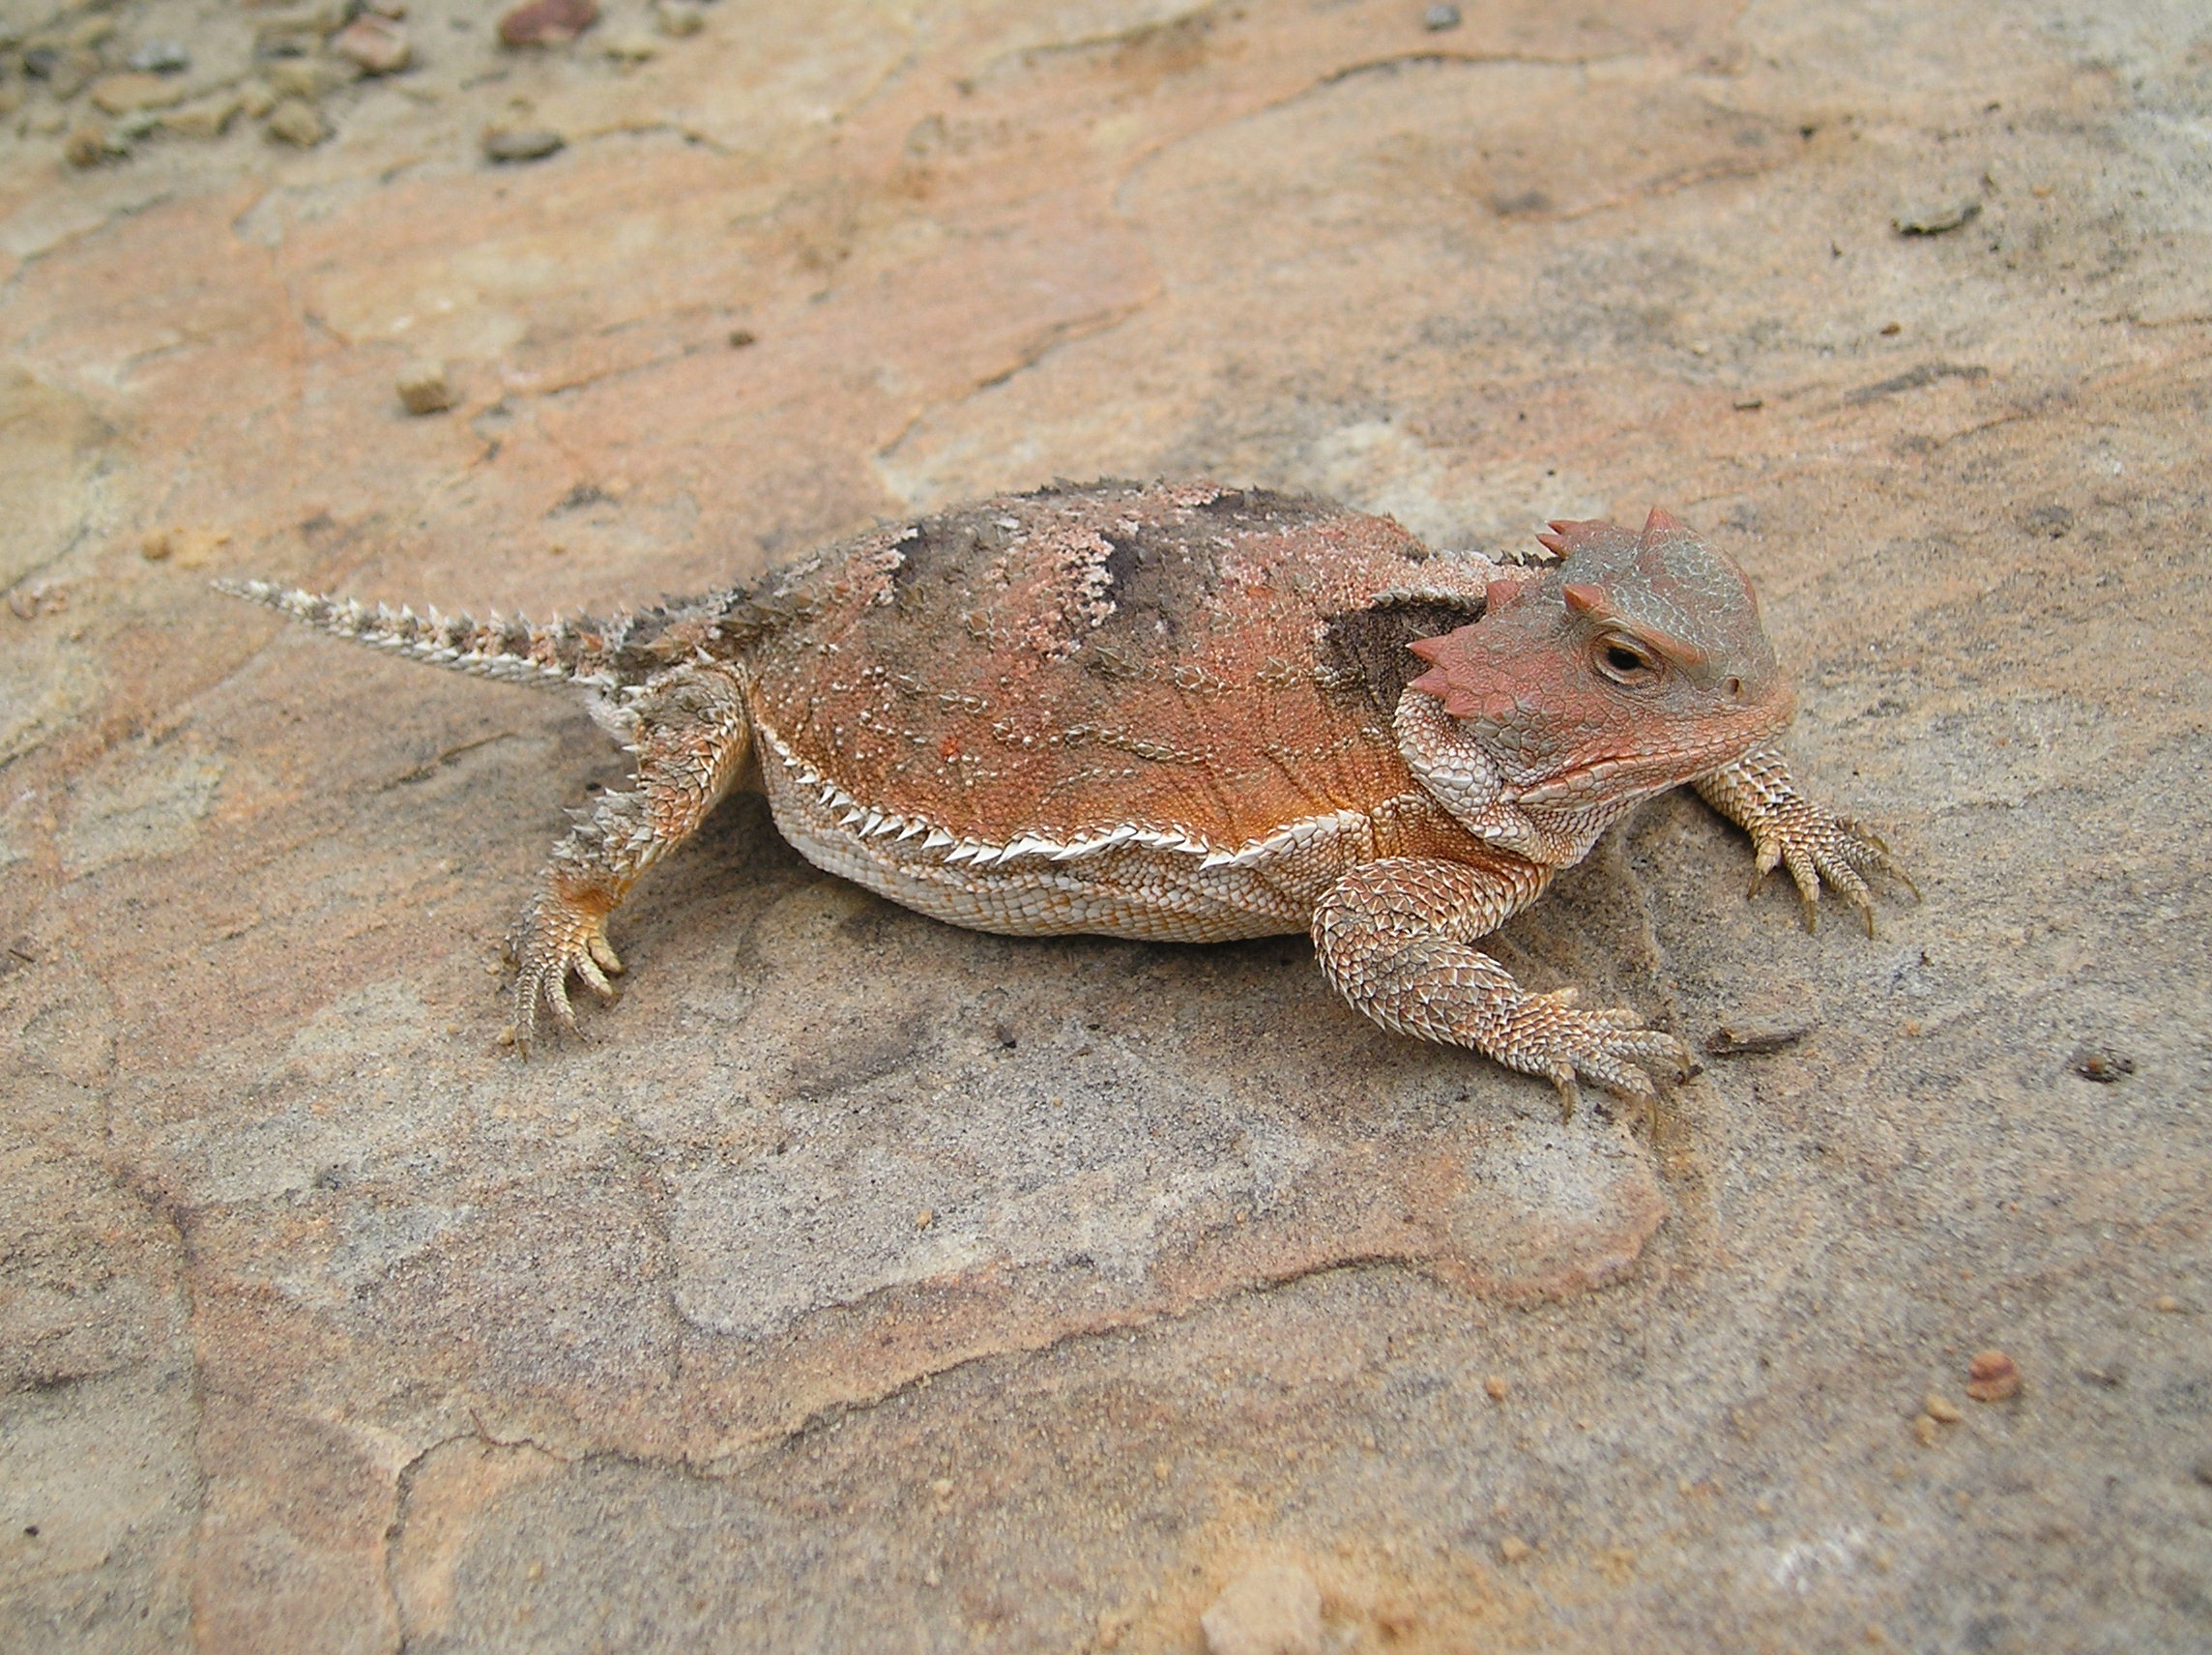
{"x": 1183, "y": 714}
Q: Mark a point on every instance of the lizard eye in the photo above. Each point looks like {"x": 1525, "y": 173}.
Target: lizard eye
{"x": 1625, "y": 663}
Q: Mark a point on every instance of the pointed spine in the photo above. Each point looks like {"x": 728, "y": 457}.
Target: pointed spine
{"x": 511, "y": 649}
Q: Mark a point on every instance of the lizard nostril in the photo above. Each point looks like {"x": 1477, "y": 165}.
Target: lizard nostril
{"x": 1736, "y": 688}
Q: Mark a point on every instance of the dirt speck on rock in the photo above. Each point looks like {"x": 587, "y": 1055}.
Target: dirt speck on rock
{"x": 1936, "y": 217}
{"x": 425, "y": 388}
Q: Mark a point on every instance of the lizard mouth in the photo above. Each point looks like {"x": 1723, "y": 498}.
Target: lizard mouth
{"x": 1654, "y": 772}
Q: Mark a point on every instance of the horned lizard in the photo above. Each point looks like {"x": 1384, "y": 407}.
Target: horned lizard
{"x": 1187, "y": 714}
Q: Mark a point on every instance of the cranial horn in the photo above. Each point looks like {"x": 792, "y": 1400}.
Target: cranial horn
{"x": 1586, "y": 600}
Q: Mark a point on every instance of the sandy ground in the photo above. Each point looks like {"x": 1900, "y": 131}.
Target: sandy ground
{"x": 325, "y": 1325}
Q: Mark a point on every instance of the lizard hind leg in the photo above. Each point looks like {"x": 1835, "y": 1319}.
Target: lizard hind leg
{"x": 1394, "y": 939}
{"x": 689, "y": 729}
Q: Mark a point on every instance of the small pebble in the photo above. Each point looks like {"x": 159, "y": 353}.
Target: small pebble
{"x": 1514, "y": 1550}
{"x": 677, "y": 18}
{"x": 309, "y": 79}
{"x": 1890, "y": 330}
{"x": 89, "y": 146}
{"x": 126, "y": 94}
{"x": 207, "y": 118}
{"x": 740, "y": 338}
{"x": 1941, "y": 1407}
{"x": 1993, "y": 1377}
{"x": 923, "y": 1219}
{"x": 1749, "y": 404}
{"x": 1274, "y": 1610}
{"x": 190, "y": 548}
{"x": 2165, "y": 1302}
{"x": 547, "y": 23}
{"x": 376, "y": 43}
{"x": 295, "y": 122}
{"x": 1495, "y": 1387}
{"x": 1438, "y": 18}
{"x": 294, "y": 34}
{"x": 159, "y": 57}
{"x": 632, "y": 47}
{"x": 1937, "y": 218}
{"x": 66, "y": 72}
{"x": 1926, "y": 1432}
{"x": 2093, "y": 1064}
{"x": 942, "y": 1488}
{"x": 529, "y": 144}
{"x": 425, "y": 389}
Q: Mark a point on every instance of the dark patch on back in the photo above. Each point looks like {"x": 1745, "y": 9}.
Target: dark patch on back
{"x": 1364, "y": 651}
{"x": 1164, "y": 576}
{"x": 931, "y": 545}
{"x": 1266, "y": 509}
{"x": 1159, "y": 581}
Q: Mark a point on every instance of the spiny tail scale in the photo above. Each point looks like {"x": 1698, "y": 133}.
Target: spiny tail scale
{"x": 559, "y": 652}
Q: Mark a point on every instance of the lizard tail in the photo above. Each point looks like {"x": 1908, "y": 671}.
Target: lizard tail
{"x": 559, "y": 652}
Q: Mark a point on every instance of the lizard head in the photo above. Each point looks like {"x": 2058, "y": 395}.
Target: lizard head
{"x": 1633, "y": 664}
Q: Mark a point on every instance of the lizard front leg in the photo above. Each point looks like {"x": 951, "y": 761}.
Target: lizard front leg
{"x": 690, "y": 731}
{"x": 1759, "y": 796}
{"x": 1393, "y": 937}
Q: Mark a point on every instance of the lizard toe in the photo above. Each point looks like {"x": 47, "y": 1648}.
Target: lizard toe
{"x": 557, "y": 939}
{"x": 1610, "y": 1047}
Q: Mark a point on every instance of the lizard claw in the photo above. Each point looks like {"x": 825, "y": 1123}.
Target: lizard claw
{"x": 560, "y": 934}
{"x": 1607, "y": 1044}
{"x": 1812, "y": 845}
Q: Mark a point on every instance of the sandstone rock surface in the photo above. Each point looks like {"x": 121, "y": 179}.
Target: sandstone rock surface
{"x": 869, "y": 1285}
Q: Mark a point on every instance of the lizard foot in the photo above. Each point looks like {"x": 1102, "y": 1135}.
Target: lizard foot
{"x": 560, "y": 934}
{"x": 1608, "y": 1045}
{"x": 1813, "y": 845}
